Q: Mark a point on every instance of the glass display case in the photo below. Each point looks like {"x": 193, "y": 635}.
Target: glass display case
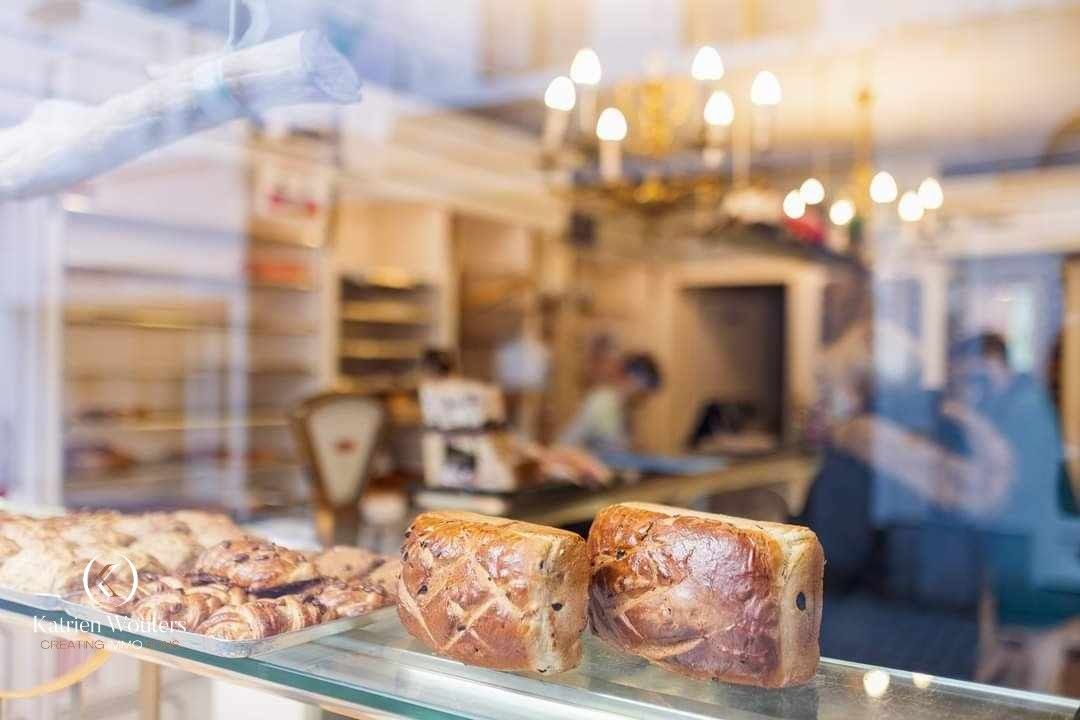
{"x": 378, "y": 668}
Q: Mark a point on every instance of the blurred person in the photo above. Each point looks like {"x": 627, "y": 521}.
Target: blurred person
{"x": 437, "y": 363}
{"x": 603, "y": 363}
{"x": 604, "y": 424}
{"x": 916, "y": 490}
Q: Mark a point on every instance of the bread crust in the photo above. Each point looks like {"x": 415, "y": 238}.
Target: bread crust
{"x": 709, "y": 596}
{"x": 494, "y": 592}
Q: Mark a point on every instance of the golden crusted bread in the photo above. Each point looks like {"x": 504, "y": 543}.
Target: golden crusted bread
{"x": 494, "y": 592}
{"x": 708, "y": 596}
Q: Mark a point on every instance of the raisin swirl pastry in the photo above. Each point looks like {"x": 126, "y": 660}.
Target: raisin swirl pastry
{"x": 257, "y": 566}
{"x": 346, "y": 563}
{"x": 223, "y": 594}
{"x": 176, "y": 609}
{"x": 340, "y": 599}
{"x": 295, "y": 614}
{"x": 254, "y": 620}
{"x": 385, "y": 577}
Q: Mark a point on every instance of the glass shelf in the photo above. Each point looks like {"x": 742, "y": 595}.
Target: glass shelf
{"x": 380, "y": 667}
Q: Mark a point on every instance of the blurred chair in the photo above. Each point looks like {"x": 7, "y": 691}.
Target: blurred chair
{"x": 338, "y": 433}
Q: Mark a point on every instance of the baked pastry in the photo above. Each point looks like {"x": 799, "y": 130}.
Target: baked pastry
{"x": 7, "y": 548}
{"x": 261, "y": 618}
{"x": 340, "y": 599}
{"x": 85, "y": 528}
{"x": 257, "y": 566}
{"x": 176, "y": 610}
{"x": 224, "y": 594}
{"x": 175, "y": 551}
{"x": 254, "y": 620}
{"x": 494, "y": 592}
{"x": 708, "y": 596}
{"x": 207, "y": 528}
{"x": 29, "y": 532}
{"x": 295, "y": 614}
{"x": 112, "y": 565}
{"x": 346, "y": 563}
{"x": 386, "y": 577}
{"x": 139, "y": 525}
{"x": 38, "y": 568}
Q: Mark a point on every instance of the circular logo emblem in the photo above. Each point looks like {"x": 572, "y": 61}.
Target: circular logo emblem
{"x": 106, "y": 583}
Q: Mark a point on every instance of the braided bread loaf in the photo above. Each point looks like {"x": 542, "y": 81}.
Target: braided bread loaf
{"x": 494, "y": 592}
{"x": 708, "y": 596}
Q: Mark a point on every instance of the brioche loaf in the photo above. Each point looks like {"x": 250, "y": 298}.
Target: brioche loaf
{"x": 708, "y": 596}
{"x": 494, "y": 592}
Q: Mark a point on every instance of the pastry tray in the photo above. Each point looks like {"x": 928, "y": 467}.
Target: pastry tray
{"x": 38, "y": 601}
{"x": 210, "y": 645}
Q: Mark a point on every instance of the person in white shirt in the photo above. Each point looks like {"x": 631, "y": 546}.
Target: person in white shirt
{"x": 605, "y": 421}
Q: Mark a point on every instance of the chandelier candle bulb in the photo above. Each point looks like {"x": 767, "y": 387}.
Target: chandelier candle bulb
{"x": 909, "y": 208}
{"x": 793, "y": 205}
{"x": 883, "y": 188}
{"x": 707, "y": 70}
{"x": 560, "y": 99}
{"x": 812, "y": 191}
{"x": 718, "y": 115}
{"x": 586, "y": 72}
{"x": 611, "y": 130}
{"x": 930, "y": 194}
{"x": 707, "y": 65}
{"x": 765, "y": 94}
{"x": 842, "y": 212}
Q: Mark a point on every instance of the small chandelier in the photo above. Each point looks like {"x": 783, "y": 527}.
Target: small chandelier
{"x": 654, "y": 142}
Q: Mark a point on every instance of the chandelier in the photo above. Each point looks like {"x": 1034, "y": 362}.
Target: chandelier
{"x": 664, "y": 141}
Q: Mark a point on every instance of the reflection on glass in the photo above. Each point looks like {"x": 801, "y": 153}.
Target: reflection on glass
{"x": 875, "y": 682}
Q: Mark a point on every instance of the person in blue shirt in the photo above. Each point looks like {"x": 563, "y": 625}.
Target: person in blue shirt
{"x": 927, "y": 503}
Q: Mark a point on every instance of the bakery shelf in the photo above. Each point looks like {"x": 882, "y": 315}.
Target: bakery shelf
{"x": 385, "y": 312}
{"x": 149, "y": 322}
{"x": 393, "y": 350}
{"x": 181, "y": 423}
{"x": 165, "y": 472}
{"x": 379, "y": 669}
{"x": 182, "y": 374}
{"x": 386, "y": 279}
{"x": 166, "y": 275}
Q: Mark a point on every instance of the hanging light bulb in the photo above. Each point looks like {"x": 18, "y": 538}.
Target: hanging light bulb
{"x": 794, "y": 207}
{"x": 883, "y": 188}
{"x": 611, "y": 126}
{"x": 930, "y": 194}
{"x": 766, "y": 89}
{"x": 585, "y": 69}
{"x": 909, "y": 208}
{"x": 719, "y": 110}
{"x": 611, "y": 131}
{"x": 560, "y": 94}
{"x": 812, "y": 191}
{"x": 707, "y": 65}
{"x": 842, "y": 212}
